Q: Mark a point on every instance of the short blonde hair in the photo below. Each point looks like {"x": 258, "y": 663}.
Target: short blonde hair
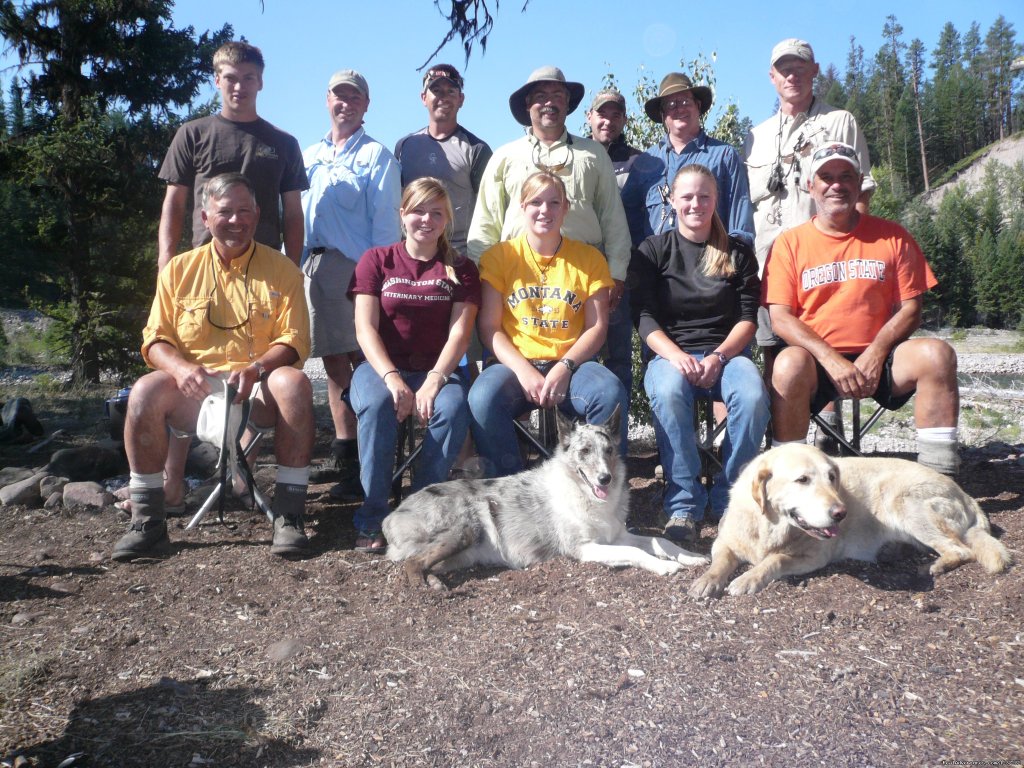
{"x": 237, "y": 52}
{"x": 422, "y": 191}
{"x": 716, "y": 261}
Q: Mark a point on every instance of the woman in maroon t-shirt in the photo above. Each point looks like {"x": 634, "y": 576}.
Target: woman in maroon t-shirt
{"x": 415, "y": 305}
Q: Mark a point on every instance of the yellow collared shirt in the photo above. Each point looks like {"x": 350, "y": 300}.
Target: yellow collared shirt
{"x": 262, "y": 285}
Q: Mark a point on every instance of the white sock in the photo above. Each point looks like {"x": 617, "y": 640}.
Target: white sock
{"x": 938, "y": 434}
{"x": 151, "y": 481}
{"x": 777, "y": 443}
{"x": 293, "y": 475}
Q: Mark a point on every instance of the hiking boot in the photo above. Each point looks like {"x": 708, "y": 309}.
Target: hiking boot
{"x": 145, "y": 538}
{"x": 349, "y": 488}
{"x": 289, "y": 537}
{"x": 327, "y": 472}
{"x": 681, "y": 530}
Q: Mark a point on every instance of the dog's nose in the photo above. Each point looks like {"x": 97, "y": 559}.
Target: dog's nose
{"x": 604, "y": 478}
{"x": 838, "y": 512}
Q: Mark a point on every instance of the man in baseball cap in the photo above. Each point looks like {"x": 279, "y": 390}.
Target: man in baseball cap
{"x": 776, "y": 153}
{"x": 351, "y": 206}
{"x": 845, "y": 292}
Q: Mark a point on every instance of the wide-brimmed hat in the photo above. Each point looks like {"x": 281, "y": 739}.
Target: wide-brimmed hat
{"x": 517, "y": 101}
{"x": 677, "y": 82}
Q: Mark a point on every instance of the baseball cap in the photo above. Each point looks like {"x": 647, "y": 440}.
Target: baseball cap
{"x": 442, "y": 72}
{"x": 792, "y": 46}
{"x": 834, "y": 151}
{"x": 349, "y": 77}
{"x": 607, "y": 96}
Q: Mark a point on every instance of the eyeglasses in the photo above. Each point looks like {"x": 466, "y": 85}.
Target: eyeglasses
{"x": 552, "y": 167}
{"x": 835, "y": 149}
{"x": 681, "y": 103}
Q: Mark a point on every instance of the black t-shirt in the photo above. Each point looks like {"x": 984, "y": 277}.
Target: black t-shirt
{"x": 669, "y": 291}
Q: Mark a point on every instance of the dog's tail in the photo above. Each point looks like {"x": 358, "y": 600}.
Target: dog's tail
{"x": 987, "y": 550}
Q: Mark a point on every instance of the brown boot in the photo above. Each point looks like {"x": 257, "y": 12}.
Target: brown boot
{"x": 147, "y": 533}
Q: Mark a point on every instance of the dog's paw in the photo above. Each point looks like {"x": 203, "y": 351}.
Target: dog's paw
{"x": 665, "y": 567}
{"x": 745, "y": 585}
{"x": 691, "y": 559}
{"x": 706, "y": 587}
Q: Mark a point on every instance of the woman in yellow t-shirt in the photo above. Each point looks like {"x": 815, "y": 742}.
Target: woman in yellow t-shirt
{"x": 543, "y": 315}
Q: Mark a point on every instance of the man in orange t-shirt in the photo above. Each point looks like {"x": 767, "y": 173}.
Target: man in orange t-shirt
{"x": 844, "y": 291}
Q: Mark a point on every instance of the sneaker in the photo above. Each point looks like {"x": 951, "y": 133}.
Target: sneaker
{"x": 144, "y": 539}
{"x": 289, "y": 537}
{"x": 327, "y": 472}
{"x": 681, "y": 530}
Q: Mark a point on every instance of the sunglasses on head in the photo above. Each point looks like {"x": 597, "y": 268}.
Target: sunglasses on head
{"x": 834, "y": 149}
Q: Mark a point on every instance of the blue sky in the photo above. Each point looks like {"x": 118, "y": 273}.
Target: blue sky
{"x": 387, "y": 40}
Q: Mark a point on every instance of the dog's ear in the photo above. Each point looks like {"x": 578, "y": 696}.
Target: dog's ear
{"x": 759, "y": 488}
{"x": 564, "y": 426}
{"x": 614, "y": 422}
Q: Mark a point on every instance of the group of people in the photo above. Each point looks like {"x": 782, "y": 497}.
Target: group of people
{"x": 538, "y": 259}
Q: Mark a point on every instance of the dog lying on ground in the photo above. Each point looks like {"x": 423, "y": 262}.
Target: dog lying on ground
{"x": 574, "y": 504}
{"x": 794, "y": 510}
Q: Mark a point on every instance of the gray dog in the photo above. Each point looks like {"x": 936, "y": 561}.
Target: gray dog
{"x": 575, "y": 504}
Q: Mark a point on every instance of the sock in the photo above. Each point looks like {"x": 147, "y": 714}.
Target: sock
{"x": 829, "y": 417}
{"x": 937, "y": 448}
{"x": 777, "y": 443}
{"x": 290, "y": 492}
{"x": 147, "y": 495}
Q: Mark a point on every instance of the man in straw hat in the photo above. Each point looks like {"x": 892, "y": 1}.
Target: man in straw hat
{"x": 595, "y": 216}
{"x": 680, "y": 106}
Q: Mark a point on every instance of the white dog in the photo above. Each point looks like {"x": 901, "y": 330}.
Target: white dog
{"x": 575, "y": 504}
{"x": 794, "y": 510}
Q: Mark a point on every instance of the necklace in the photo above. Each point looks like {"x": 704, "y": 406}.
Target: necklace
{"x": 550, "y": 260}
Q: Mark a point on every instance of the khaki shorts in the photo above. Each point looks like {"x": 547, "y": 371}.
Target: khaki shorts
{"x": 332, "y": 325}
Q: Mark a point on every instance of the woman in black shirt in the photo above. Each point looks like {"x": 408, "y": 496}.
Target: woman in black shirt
{"x": 695, "y": 297}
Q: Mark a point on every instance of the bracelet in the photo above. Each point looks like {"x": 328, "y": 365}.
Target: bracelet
{"x": 393, "y": 370}
{"x": 444, "y": 378}
{"x": 721, "y": 358}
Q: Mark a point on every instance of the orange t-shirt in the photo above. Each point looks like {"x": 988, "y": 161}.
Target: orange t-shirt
{"x": 845, "y": 288}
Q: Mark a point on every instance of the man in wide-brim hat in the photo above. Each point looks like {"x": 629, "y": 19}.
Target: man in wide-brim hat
{"x": 595, "y": 215}
{"x": 680, "y": 106}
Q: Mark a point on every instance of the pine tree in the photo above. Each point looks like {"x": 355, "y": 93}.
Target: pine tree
{"x": 102, "y": 78}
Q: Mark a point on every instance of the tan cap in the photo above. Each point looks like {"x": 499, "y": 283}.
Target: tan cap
{"x": 607, "y": 96}
{"x": 792, "y": 46}
{"x": 349, "y": 77}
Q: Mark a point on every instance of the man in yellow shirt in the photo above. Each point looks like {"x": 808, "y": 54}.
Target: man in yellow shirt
{"x": 231, "y": 308}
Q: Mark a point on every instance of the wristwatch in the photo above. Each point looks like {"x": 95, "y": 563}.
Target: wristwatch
{"x": 260, "y": 369}
{"x": 569, "y": 363}
{"x": 721, "y": 358}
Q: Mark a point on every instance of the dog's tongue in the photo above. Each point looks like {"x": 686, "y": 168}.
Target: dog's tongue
{"x": 831, "y": 532}
{"x": 601, "y": 491}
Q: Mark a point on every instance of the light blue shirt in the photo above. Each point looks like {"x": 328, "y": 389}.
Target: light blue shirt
{"x": 650, "y": 213}
{"x": 353, "y": 197}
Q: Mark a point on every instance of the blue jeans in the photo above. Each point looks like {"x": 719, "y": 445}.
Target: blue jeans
{"x": 378, "y": 438}
{"x": 619, "y": 345}
{"x": 496, "y": 399}
{"x": 672, "y": 403}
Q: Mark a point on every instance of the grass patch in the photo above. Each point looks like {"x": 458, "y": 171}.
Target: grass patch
{"x": 991, "y": 421}
{"x": 18, "y": 675}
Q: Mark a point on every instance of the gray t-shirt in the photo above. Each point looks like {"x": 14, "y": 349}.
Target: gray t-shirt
{"x": 459, "y": 162}
{"x": 270, "y": 158}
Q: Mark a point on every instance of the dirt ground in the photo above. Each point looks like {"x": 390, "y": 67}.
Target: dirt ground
{"x": 223, "y": 655}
